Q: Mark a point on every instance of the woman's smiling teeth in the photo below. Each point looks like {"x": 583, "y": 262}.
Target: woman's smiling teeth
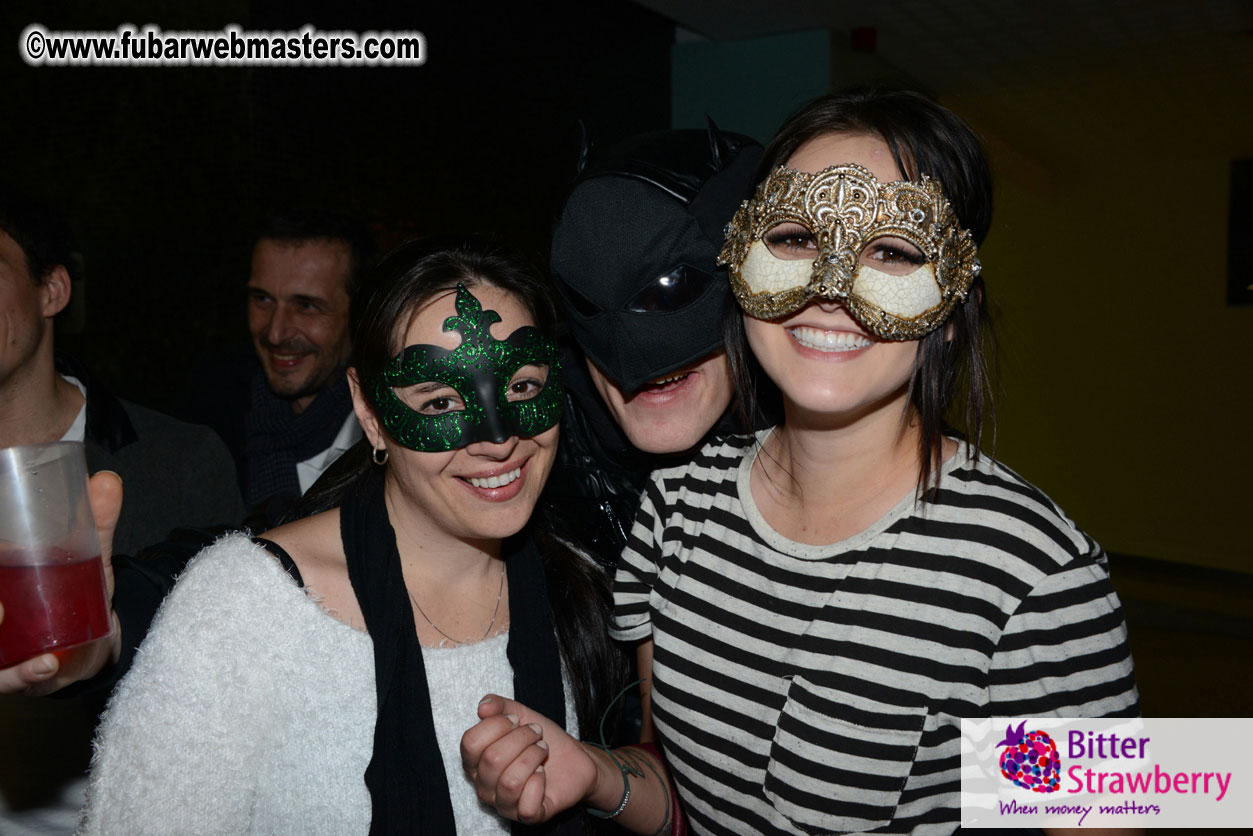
{"x": 495, "y": 481}
{"x": 667, "y": 381}
{"x": 828, "y": 340}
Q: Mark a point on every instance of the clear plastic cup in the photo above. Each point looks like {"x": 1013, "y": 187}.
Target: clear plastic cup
{"x": 51, "y": 577}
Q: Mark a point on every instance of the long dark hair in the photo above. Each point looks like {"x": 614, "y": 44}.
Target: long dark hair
{"x": 924, "y": 138}
{"x": 386, "y": 301}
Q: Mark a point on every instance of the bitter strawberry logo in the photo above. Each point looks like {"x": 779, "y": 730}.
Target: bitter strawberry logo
{"x": 1030, "y": 759}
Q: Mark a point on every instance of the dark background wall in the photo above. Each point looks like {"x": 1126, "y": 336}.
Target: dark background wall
{"x": 1126, "y": 371}
{"x": 161, "y": 170}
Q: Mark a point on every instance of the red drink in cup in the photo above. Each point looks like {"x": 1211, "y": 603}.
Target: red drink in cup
{"x": 51, "y": 578}
{"x": 50, "y": 606}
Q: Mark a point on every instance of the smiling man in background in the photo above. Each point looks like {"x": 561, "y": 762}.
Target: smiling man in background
{"x": 288, "y": 416}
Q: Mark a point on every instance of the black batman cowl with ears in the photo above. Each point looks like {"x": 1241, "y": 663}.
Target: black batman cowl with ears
{"x": 634, "y": 262}
{"x": 634, "y": 250}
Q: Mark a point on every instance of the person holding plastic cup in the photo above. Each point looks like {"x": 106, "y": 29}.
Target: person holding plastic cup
{"x": 44, "y": 672}
{"x": 46, "y": 396}
{"x": 50, "y": 568}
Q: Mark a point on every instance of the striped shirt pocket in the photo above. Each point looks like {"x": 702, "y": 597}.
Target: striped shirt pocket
{"x": 834, "y": 768}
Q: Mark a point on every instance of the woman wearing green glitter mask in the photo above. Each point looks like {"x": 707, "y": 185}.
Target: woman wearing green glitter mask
{"x": 321, "y": 678}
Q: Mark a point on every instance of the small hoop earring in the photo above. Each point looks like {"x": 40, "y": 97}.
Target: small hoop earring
{"x": 379, "y": 456}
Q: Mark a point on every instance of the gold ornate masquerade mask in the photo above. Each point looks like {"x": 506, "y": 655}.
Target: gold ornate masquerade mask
{"x": 893, "y": 254}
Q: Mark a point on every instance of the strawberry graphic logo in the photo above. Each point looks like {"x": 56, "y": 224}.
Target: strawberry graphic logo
{"x": 1030, "y": 759}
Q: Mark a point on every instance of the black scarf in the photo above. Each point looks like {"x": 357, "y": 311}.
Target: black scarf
{"x": 275, "y": 438}
{"x": 408, "y": 788}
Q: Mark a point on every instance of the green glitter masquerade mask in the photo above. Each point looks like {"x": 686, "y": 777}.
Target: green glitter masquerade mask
{"x": 480, "y": 370}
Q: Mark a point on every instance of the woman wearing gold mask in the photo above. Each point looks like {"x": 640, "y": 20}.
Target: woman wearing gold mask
{"x": 820, "y": 603}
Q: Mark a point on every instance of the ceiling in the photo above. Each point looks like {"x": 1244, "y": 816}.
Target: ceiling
{"x": 1042, "y": 80}
{"x": 967, "y": 46}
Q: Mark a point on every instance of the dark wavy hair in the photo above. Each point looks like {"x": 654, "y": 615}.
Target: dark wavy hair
{"x": 387, "y": 299}
{"x": 413, "y": 273}
{"x": 301, "y": 224}
{"x": 39, "y": 230}
{"x": 924, "y": 138}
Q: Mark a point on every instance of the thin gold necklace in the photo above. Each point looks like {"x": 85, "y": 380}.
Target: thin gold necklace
{"x": 495, "y": 612}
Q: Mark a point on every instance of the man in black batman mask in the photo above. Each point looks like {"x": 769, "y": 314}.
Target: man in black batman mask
{"x": 633, "y": 258}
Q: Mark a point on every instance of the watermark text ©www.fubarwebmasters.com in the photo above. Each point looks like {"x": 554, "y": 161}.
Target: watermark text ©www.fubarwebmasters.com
{"x": 149, "y": 46}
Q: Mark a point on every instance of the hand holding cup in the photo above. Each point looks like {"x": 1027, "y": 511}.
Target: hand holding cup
{"x": 34, "y": 617}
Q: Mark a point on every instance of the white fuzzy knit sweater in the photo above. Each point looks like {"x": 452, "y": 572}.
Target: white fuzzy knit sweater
{"x": 249, "y": 710}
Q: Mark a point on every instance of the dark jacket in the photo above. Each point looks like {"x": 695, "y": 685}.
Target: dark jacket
{"x": 173, "y": 474}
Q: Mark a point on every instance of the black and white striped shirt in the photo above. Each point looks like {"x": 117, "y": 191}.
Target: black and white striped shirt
{"x": 819, "y": 689}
